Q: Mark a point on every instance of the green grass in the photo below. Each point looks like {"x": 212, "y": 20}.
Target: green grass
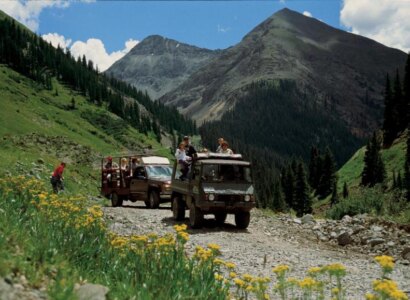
{"x": 381, "y": 200}
{"x": 58, "y": 241}
{"x": 27, "y": 108}
{"x": 393, "y": 158}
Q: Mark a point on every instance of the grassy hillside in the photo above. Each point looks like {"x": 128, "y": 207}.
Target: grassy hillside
{"x": 382, "y": 200}
{"x": 40, "y": 124}
{"x": 393, "y": 159}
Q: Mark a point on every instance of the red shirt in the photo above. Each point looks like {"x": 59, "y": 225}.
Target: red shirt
{"x": 58, "y": 172}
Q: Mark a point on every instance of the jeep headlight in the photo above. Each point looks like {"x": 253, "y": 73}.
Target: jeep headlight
{"x": 211, "y": 197}
{"x": 247, "y": 198}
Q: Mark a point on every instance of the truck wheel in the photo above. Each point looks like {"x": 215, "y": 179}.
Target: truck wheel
{"x": 153, "y": 199}
{"x": 242, "y": 219}
{"x": 116, "y": 200}
{"x": 178, "y": 208}
{"x": 220, "y": 218}
{"x": 196, "y": 216}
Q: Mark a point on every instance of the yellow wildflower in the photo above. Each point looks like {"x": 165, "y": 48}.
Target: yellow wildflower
{"x": 386, "y": 262}
{"x": 239, "y": 282}
{"x": 230, "y": 265}
{"x": 219, "y": 277}
{"x": 336, "y": 269}
{"x": 232, "y": 274}
{"x": 280, "y": 269}
{"x": 370, "y": 297}
{"x": 307, "y": 283}
{"x": 247, "y": 277}
{"x": 249, "y": 288}
{"x": 315, "y": 270}
{"x": 218, "y": 261}
{"x": 335, "y": 291}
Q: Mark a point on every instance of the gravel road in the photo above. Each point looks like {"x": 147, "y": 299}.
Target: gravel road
{"x": 267, "y": 242}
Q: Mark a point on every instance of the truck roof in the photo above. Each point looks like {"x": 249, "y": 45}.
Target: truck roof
{"x": 213, "y": 155}
{"x": 224, "y": 162}
{"x": 154, "y": 160}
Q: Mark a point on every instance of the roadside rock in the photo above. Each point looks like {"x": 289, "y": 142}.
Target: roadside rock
{"x": 406, "y": 253}
{"x": 307, "y": 219}
{"x": 376, "y": 241}
{"x": 344, "y": 239}
{"x": 91, "y": 291}
{"x": 6, "y": 290}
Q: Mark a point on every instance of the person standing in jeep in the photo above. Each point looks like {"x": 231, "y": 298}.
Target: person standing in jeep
{"x": 189, "y": 149}
{"x": 56, "y": 179}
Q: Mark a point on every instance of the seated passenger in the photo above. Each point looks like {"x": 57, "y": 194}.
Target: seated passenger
{"x": 220, "y": 142}
{"x": 183, "y": 160}
{"x": 225, "y": 148}
{"x": 108, "y": 165}
{"x": 134, "y": 165}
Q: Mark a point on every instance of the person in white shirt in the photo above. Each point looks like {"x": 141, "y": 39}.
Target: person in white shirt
{"x": 225, "y": 148}
{"x": 183, "y": 160}
{"x": 219, "y": 149}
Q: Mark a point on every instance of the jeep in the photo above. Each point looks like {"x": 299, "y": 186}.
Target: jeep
{"x": 145, "y": 178}
{"x": 217, "y": 184}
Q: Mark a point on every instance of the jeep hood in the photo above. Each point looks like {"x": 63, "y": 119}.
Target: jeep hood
{"x": 228, "y": 188}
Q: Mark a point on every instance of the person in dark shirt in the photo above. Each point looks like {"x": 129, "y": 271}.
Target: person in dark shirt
{"x": 189, "y": 149}
{"x": 56, "y": 179}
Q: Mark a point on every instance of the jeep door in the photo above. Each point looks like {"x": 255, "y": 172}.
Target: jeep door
{"x": 139, "y": 184}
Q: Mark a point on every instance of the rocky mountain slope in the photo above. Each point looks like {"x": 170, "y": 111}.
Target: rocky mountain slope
{"x": 159, "y": 64}
{"x": 344, "y": 73}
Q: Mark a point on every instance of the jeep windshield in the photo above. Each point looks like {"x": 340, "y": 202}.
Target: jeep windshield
{"x": 159, "y": 171}
{"x": 226, "y": 173}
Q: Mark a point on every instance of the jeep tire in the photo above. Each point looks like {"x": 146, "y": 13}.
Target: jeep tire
{"x": 116, "y": 201}
{"x": 220, "y": 218}
{"x": 242, "y": 219}
{"x": 196, "y": 217}
{"x": 178, "y": 208}
{"x": 153, "y": 199}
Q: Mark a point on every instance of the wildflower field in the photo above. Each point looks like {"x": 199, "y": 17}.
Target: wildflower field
{"x": 58, "y": 241}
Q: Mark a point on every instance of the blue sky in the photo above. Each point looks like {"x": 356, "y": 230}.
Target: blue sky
{"x": 106, "y": 30}
{"x": 211, "y": 24}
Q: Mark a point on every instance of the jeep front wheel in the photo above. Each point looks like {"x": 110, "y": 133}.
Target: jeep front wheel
{"x": 242, "y": 219}
{"x": 196, "y": 216}
{"x": 178, "y": 208}
{"x": 153, "y": 199}
{"x": 116, "y": 200}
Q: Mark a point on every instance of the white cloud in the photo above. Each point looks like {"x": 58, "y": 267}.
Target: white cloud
{"x": 307, "y": 13}
{"x": 28, "y": 11}
{"x": 94, "y": 50}
{"x": 223, "y": 29}
{"x": 57, "y": 40}
{"x": 385, "y": 21}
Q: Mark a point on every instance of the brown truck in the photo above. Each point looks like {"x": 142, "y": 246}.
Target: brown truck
{"x": 136, "y": 177}
{"x": 217, "y": 184}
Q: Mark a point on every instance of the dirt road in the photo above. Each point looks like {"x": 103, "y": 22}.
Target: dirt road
{"x": 267, "y": 242}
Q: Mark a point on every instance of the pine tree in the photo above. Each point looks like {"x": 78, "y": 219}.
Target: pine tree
{"x": 400, "y": 105}
{"x": 335, "y": 197}
{"x": 288, "y": 184}
{"x": 389, "y": 117}
{"x": 407, "y": 168}
{"x": 303, "y": 202}
{"x": 345, "y": 191}
{"x": 406, "y": 90}
{"x": 373, "y": 170}
{"x": 399, "y": 181}
{"x": 328, "y": 176}
{"x": 394, "y": 185}
{"x": 313, "y": 167}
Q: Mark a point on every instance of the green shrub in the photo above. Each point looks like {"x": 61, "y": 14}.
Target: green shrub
{"x": 363, "y": 200}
